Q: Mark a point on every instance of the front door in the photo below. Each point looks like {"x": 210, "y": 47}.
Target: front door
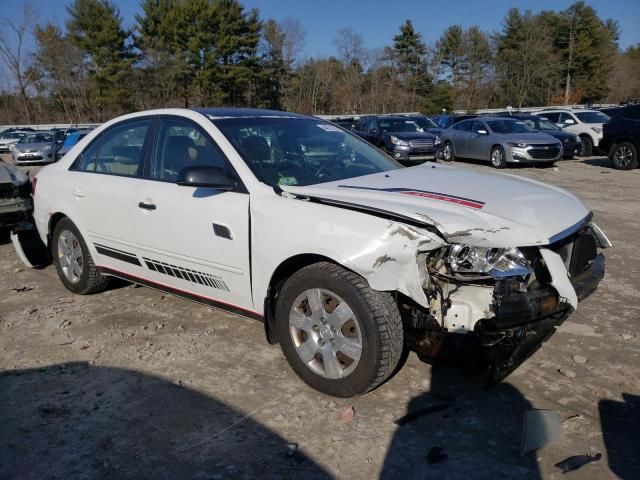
{"x": 194, "y": 240}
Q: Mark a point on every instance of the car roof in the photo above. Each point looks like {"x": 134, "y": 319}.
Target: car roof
{"x": 229, "y": 112}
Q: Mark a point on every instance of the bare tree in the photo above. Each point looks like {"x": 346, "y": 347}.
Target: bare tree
{"x": 13, "y": 39}
{"x": 294, "y": 40}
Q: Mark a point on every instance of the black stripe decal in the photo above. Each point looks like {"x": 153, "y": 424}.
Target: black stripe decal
{"x": 180, "y": 293}
{"x": 117, "y": 254}
{"x": 186, "y": 274}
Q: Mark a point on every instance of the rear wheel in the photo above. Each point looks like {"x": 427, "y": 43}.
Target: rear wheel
{"x": 587, "y": 146}
{"x": 339, "y": 336}
{"x": 447, "y": 152}
{"x": 498, "y": 158}
{"x": 624, "y": 156}
{"x": 73, "y": 261}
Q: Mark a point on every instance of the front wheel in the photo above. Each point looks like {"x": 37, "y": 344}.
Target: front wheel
{"x": 624, "y": 156}
{"x": 73, "y": 261}
{"x": 340, "y": 337}
{"x": 498, "y": 158}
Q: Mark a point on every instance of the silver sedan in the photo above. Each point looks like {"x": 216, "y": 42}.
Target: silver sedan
{"x": 35, "y": 147}
{"x": 499, "y": 141}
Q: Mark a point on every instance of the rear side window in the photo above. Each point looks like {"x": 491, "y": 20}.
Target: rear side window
{"x": 182, "y": 144}
{"x": 118, "y": 151}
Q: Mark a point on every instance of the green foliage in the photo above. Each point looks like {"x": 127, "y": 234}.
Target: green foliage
{"x": 95, "y": 28}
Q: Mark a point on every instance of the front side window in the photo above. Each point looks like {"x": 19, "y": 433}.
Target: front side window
{"x": 553, "y": 116}
{"x": 181, "y": 144}
{"x": 477, "y": 126}
{"x": 299, "y": 151}
{"x": 463, "y": 126}
{"x": 545, "y": 124}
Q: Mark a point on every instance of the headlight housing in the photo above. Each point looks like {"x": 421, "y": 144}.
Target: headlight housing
{"x": 46, "y": 148}
{"x": 398, "y": 141}
{"x": 497, "y": 262}
{"x": 518, "y": 144}
{"x": 437, "y": 140}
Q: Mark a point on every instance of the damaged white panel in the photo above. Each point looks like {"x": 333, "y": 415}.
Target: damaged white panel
{"x": 560, "y": 277}
{"x": 391, "y": 261}
{"x": 469, "y": 304}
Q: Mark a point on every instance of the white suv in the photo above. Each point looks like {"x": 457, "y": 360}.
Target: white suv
{"x": 345, "y": 255}
{"x": 587, "y": 124}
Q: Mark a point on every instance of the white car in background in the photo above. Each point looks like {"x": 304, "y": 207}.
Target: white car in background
{"x": 345, "y": 255}
{"x": 587, "y": 124}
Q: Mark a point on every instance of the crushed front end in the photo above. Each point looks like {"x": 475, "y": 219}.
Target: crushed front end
{"x": 505, "y": 301}
{"x": 15, "y": 197}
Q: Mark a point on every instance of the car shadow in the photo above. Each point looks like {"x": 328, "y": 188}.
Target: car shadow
{"x": 5, "y": 237}
{"x": 620, "y": 422}
{"x": 458, "y": 429}
{"x": 75, "y": 420}
{"x": 602, "y": 162}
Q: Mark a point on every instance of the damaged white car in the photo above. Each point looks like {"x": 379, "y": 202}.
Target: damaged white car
{"x": 15, "y": 196}
{"x": 346, "y": 256}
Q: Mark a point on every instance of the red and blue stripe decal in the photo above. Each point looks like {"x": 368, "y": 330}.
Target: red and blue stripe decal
{"x": 444, "y": 197}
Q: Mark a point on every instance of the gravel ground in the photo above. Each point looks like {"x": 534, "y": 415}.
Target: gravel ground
{"x": 131, "y": 383}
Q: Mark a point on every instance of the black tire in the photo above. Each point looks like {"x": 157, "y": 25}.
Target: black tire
{"x": 624, "y": 156}
{"x": 587, "y": 146}
{"x": 500, "y": 160}
{"x": 378, "y": 319}
{"x": 448, "y": 153}
{"x": 90, "y": 281}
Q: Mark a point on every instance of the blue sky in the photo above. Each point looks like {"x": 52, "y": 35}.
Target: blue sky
{"x": 378, "y": 20}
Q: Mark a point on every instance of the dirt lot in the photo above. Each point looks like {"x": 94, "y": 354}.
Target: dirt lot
{"x": 132, "y": 383}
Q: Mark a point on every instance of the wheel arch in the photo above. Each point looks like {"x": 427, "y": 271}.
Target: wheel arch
{"x": 53, "y": 221}
{"x": 282, "y": 272}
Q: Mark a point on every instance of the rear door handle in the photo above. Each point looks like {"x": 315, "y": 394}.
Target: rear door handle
{"x": 78, "y": 193}
{"x": 146, "y": 206}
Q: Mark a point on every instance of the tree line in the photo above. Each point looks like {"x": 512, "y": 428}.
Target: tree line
{"x": 190, "y": 53}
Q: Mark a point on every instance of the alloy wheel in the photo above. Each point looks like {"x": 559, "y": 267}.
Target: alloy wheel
{"x": 623, "y": 156}
{"x": 496, "y": 157}
{"x": 325, "y": 333}
{"x": 70, "y": 256}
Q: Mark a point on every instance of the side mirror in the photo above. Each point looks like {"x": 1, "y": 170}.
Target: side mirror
{"x": 569, "y": 121}
{"x": 206, "y": 177}
{"x": 482, "y": 132}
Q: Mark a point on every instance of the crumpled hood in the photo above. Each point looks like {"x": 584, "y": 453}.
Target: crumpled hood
{"x": 9, "y": 174}
{"x": 466, "y": 206}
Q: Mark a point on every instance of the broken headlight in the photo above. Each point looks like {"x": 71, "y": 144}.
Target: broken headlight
{"x": 497, "y": 262}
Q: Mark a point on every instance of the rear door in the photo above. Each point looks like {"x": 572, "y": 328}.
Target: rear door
{"x": 101, "y": 188}
{"x": 478, "y": 144}
{"x": 193, "y": 240}
{"x": 462, "y": 131}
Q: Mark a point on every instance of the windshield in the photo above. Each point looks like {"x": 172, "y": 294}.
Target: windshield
{"x": 424, "y": 122}
{"x": 295, "y": 151}
{"x": 509, "y": 126}
{"x": 37, "y": 138}
{"x": 592, "y": 117}
{"x": 398, "y": 125}
{"x": 11, "y": 135}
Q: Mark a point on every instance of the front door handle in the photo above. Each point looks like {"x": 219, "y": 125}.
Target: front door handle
{"x": 78, "y": 192}
{"x": 146, "y": 206}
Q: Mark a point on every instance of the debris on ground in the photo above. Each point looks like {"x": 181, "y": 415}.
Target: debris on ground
{"x": 436, "y": 455}
{"x": 22, "y": 289}
{"x": 579, "y": 359}
{"x": 540, "y": 428}
{"x": 347, "y": 414}
{"x": 411, "y": 416}
{"x": 577, "y": 461}
{"x": 567, "y": 373}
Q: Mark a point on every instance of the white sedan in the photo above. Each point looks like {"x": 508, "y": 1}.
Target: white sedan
{"x": 346, "y": 256}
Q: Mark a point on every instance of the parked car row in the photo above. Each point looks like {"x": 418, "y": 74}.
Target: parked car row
{"x": 29, "y": 146}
